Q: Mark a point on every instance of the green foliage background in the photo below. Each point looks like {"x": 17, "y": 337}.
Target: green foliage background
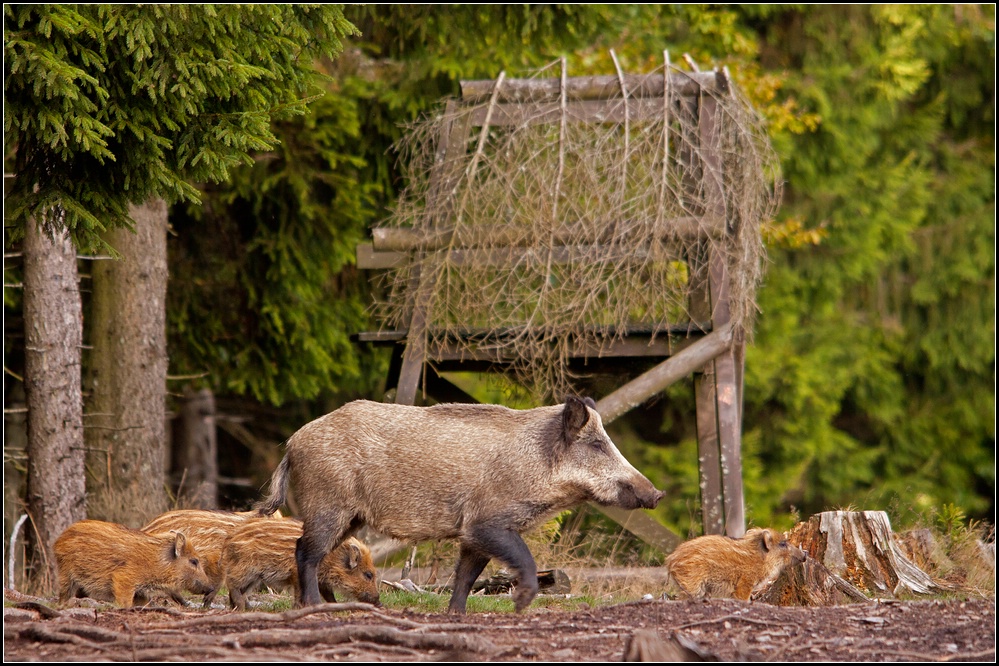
{"x": 107, "y": 105}
{"x": 870, "y": 380}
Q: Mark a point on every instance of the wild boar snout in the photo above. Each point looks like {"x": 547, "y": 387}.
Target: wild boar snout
{"x": 640, "y": 494}
{"x": 199, "y": 587}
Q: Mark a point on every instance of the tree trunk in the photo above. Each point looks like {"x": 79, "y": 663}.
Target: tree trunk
{"x": 15, "y": 479}
{"x": 126, "y": 429}
{"x": 195, "y": 468}
{"x": 53, "y": 331}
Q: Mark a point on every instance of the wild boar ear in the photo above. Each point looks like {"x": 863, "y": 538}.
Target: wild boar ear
{"x": 574, "y": 417}
{"x": 354, "y": 556}
{"x": 178, "y": 544}
{"x": 767, "y": 540}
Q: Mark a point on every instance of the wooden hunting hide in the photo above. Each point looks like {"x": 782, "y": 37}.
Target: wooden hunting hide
{"x": 708, "y": 341}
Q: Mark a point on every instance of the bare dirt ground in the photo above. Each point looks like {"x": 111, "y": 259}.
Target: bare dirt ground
{"x": 725, "y": 630}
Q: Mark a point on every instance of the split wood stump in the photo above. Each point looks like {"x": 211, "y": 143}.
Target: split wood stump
{"x": 859, "y": 547}
{"x": 809, "y": 584}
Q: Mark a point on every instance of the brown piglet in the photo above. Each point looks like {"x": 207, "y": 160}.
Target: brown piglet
{"x": 108, "y": 562}
{"x": 263, "y": 552}
{"x": 723, "y": 567}
{"x": 208, "y": 531}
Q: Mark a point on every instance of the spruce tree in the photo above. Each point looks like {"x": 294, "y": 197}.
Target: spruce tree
{"x": 112, "y": 106}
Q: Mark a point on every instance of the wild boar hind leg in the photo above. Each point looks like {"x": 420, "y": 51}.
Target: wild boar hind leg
{"x": 508, "y": 547}
{"x": 319, "y": 537}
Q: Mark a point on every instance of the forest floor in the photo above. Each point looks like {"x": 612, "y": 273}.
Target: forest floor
{"x": 714, "y": 630}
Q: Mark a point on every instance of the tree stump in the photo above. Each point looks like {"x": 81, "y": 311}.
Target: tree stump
{"x": 921, "y": 548}
{"x": 196, "y": 451}
{"x": 809, "y": 584}
{"x": 859, "y": 546}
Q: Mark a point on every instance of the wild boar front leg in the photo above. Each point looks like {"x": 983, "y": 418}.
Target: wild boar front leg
{"x": 237, "y": 597}
{"x": 123, "y": 591}
{"x": 507, "y": 546}
{"x": 209, "y": 598}
{"x": 471, "y": 562}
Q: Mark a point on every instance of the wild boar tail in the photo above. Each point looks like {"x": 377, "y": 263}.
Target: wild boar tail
{"x": 278, "y": 491}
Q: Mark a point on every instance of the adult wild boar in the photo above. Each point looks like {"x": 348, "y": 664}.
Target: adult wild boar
{"x": 481, "y": 474}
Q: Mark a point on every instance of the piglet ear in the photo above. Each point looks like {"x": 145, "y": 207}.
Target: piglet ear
{"x": 178, "y": 544}
{"x": 354, "y": 558}
{"x": 574, "y": 417}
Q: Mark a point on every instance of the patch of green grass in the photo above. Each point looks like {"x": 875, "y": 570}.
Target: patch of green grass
{"x": 489, "y": 604}
{"x": 573, "y": 602}
{"x": 276, "y": 604}
{"x": 420, "y": 602}
{"x": 430, "y": 602}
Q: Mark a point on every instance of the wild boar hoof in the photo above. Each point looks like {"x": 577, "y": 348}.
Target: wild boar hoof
{"x": 523, "y": 597}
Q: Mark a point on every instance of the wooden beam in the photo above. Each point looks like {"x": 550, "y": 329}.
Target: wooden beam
{"x": 516, "y": 257}
{"x": 496, "y": 236}
{"x": 524, "y": 114}
{"x": 643, "y": 526}
{"x": 728, "y": 399}
{"x": 708, "y": 454}
{"x": 635, "y": 347}
{"x": 592, "y": 87}
{"x": 706, "y": 404}
{"x": 728, "y": 395}
{"x": 669, "y": 371}
{"x": 368, "y": 258}
{"x": 414, "y": 355}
